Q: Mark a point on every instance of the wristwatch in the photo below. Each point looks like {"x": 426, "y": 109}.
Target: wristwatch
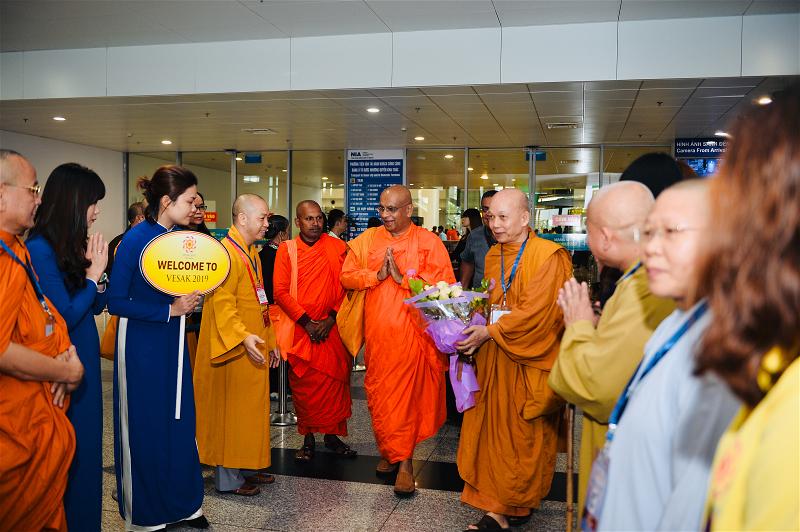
{"x": 103, "y": 280}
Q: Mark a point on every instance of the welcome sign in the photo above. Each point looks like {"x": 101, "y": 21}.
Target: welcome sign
{"x": 180, "y": 262}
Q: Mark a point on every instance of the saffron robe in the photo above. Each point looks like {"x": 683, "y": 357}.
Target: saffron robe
{"x": 320, "y": 372}
{"x": 37, "y": 441}
{"x": 507, "y": 451}
{"x": 594, "y": 364}
{"x": 159, "y": 479}
{"x": 405, "y": 373}
{"x": 232, "y": 398}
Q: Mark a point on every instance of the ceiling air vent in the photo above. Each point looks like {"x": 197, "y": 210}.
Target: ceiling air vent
{"x": 259, "y": 131}
{"x": 562, "y": 125}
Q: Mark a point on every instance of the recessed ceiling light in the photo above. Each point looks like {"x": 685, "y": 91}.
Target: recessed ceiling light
{"x": 166, "y": 141}
{"x": 495, "y": 184}
{"x": 470, "y": 168}
{"x": 513, "y": 179}
{"x": 411, "y": 184}
{"x": 722, "y": 134}
{"x": 324, "y": 178}
{"x": 419, "y": 137}
{"x": 484, "y": 176}
{"x": 59, "y": 118}
{"x": 448, "y": 156}
{"x": 764, "y": 100}
{"x": 373, "y": 110}
{"x": 284, "y": 170}
{"x": 238, "y": 158}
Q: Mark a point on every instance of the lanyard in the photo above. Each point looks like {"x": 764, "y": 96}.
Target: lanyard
{"x": 244, "y": 254}
{"x": 630, "y": 273}
{"x": 503, "y": 283}
{"x": 247, "y": 260}
{"x": 622, "y": 402}
{"x": 32, "y": 277}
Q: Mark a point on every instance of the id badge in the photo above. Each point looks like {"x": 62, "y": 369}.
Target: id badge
{"x": 50, "y": 325}
{"x": 262, "y": 295}
{"x": 596, "y": 492}
{"x": 498, "y": 311}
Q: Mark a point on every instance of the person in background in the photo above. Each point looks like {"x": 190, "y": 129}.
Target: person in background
{"x": 135, "y": 216}
{"x": 374, "y": 221}
{"x": 405, "y": 374}
{"x": 308, "y": 291}
{"x": 442, "y": 234}
{"x": 435, "y": 230}
{"x": 597, "y": 358}
{"x": 198, "y": 221}
{"x": 337, "y": 223}
{"x": 452, "y": 234}
{"x": 71, "y": 268}
{"x": 657, "y": 171}
{"x": 478, "y": 243}
{"x": 38, "y": 369}
{"x": 507, "y": 448}
{"x": 159, "y": 479}
{"x": 470, "y": 219}
{"x": 751, "y": 277}
{"x": 667, "y": 422}
{"x": 277, "y": 232}
{"x": 236, "y": 345}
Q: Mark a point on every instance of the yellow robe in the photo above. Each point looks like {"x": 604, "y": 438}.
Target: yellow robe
{"x": 231, "y": 392}
{"x": 594, "y": 364}
{"x": 755, "y": 479}
{"x": 507, "y": 450}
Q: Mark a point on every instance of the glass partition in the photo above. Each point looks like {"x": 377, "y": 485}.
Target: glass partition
{"x": 495, "y": 169}
{"x": 213, "y": 171}
{"x": 145, "y": 164}
{"x": 264, "y": 173}
{"x": 617, "y": 158}
{"x": 436, "y": 180}
{"x": 318, "y": 176}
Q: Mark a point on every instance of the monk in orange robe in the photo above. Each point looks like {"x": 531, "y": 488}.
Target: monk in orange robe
{"x": 38, "y": 367}
{"x": 307, "y": 288}
{"x": 507, "y": 451}
{"x": 405, "y": 373}
{"x": 231, "y": 378}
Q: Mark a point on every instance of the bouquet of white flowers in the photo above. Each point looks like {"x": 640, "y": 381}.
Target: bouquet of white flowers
{"x": 448, "y": 310}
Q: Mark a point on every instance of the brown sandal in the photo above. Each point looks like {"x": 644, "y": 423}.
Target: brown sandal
{"x": 404, "y": 484}
{"x": 304, "y": 454}
{"x": 260, "y": 478}
{"x": 385, "y": 467}
{"x": 245, "y": 490}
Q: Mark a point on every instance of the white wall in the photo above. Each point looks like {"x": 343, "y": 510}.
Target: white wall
{"x": 763, "y": 45}
{"x": 46, "y": 154}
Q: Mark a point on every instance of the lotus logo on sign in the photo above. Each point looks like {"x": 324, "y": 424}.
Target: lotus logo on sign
{"x": 181, "y": 262}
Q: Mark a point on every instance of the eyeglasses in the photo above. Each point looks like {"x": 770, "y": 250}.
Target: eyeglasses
{"x": 36, "y": 190}
{"x": 484, "y": 208}
{"x": 669, "y": 234}
{"x": 391, "y": 209}
{"x": 202, "y": 207}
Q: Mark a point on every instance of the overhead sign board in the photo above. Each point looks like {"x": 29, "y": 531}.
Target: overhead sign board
{"x": 698, "y": 148}
{"x": 368, "y": 173}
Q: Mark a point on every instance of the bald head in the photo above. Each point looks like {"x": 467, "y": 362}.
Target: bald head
{"x": 12, "y": 164}
{"x": 615, "y": 216}
{"x": 509, "y": 216}
{"x": 619, "y": 205}
{"x": 309, "y": 220}
{"x": 250, "y": 213}
{"x": 395, "y": 209}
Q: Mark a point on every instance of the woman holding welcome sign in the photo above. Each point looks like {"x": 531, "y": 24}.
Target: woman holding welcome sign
{"x": 155, "y": 456}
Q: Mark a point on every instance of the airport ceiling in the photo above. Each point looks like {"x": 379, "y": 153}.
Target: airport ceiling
{"x": 60, "y": 24}
{"x": 481, "y": 116}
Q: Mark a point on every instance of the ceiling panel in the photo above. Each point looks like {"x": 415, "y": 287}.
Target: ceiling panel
{"x": 303, "y": 18}
{"x": 658, "y": 9}
{"x": 415, "y": 15}
{"x": 455, "y": 116}
{"x": 541, "y": 12}
{"x": 771, "y": 7}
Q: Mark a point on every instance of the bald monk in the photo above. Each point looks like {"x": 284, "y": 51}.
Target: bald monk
{"x": 38, "y": 367}
{"x": 597, "y": 358}
{"x": 231, "y": 378}
{"x": 307, "y": 288}
{"x": 507, "y": 451}
{"x": 405, "y": 373}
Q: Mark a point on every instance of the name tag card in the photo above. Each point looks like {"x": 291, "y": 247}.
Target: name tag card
{"x": 498, "y": 311}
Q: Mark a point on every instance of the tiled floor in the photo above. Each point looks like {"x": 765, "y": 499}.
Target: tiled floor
{"x": 339, "y": 494}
